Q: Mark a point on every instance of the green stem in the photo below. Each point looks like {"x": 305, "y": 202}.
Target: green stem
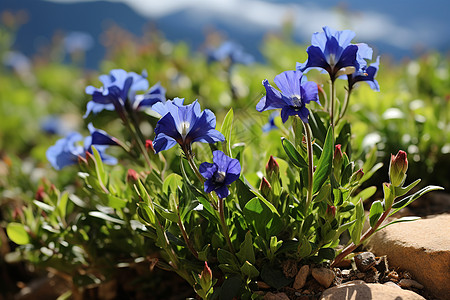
{"x": 139, "y": 137}
{"x": 224, "y": 225}
{"x": 310, "y": 164}
{"x": 350, "y": 248}
{"x": 333, "y": 100}
{"x": 345, "y": 105}
{"x": 186, "y": 237}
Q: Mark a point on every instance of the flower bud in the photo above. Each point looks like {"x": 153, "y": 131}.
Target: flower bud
{"x": 398, "y": 168}
{"x": 357, "y": 176}
{"x": 132, "y": 176}
{"x": 337, "y": 158}
{"x": 149, "y": 146}
{"x": 265, "y": 187}
{"x": 206, "y": 275}
{"x": 331, "y": 210}
{"x": 272, "y": 167}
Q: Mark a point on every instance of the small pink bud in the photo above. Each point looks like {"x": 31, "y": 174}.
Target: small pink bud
{"x": 398, "y": 168}
{"x": 149, "y": 145}
{"x": 357, "y": 175}
{"x": 132, "y": 176}
{"x": 40, "y": 193}
{"x": 272, "y": 167}
{"x": 331, "y": 210}
{"x": 206, "y": 274}
{"x": 265, "y": 187}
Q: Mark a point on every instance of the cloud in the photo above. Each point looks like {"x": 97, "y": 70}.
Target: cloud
{"x": 259, "y": 15}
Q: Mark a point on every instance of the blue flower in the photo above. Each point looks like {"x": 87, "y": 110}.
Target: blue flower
{"x": 119, "y": 91}
{"x": 366, "y": 74}
{"x": 296, "y": 92}
{"x": 222, "y": 172}
{"x": 66, "y": 150}
{"x": 332, "y": 51}
{"x": 232, "y": 51}
{"x": 184, "y": 124}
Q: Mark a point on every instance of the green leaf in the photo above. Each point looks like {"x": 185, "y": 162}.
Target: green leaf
{"x": 366, "y": 193}
{"x": 400, "y": 191}
{"x": 116, "y": 202}
{"x": 226, "y": 257}
{"x": 247, "y": 253}
{"x": 389, "y": 196}
{"x": 304, "y": 249}
{"x": 323, "y": 168}
{"x": 45, "y": 207}
{"x": 376, "y": 210}
{"x": 259, "y": 215}
{"x": 274, "y": 277}
{"x": 249, "y": 270}
{"x": 165, "y": 213}
{"x": 408, "y": 200}
{"x": 347, "y": 206}
{"x": 295, "y": 157}
{"x": 356, "y": 229}
{"x": 403, "y": 219}
{"x": 230, "y": 288}
{"x": 103, "y": 216}
{"x": 62, "y": 205}
{"x": 227, "y": 126}
{"x": 172, "y": 183}
{"x": 146, "y": 214}
{"x": 101, "y": 175}
{"x": 17, "y": 233}
{"x": 326, "y": 253}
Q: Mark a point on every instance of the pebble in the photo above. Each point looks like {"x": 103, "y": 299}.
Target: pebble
{"x": 300, "y": 278}
{"x": 409, "y": 283}
{"x": 323, "y": 276}
{"x": 262, "y": 285}
{"x": 364, "y": 261}
{"x": 346, "y": 272}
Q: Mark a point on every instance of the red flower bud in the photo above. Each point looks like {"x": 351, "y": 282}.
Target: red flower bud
{"x": 398, "y": 168}
{"x": 149, "y": 145}
{"x": 272, "y": 167}
{"x": 265, "y": 187}
{"x": 357, "y": 175}
{"x": 206, "y": 274}
{"x": 331, "y": 210}
{"x": 132, "y": 176}
{"x": 40, "y": 193}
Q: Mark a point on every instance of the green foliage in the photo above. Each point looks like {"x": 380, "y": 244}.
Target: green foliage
{"x": 91, "y": 221}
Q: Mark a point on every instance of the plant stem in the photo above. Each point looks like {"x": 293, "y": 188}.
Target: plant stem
{"x": 310, "y": 164}
{"x": 349, "y": 249}
{"x": 139, "y": 137}
{"x": 333, "y": 100}
{"x": 345, "y": 105}
{"x": 224, "y": 225}
{"x": 186, "y": 237}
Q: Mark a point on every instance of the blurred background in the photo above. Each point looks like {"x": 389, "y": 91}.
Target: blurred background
{"x": 399, "y": 29}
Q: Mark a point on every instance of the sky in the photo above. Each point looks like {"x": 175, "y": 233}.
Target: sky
{"x": 408, "y": 24}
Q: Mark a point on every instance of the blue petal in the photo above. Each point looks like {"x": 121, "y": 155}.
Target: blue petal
{"x": 348, "y": 58}
{"x": 222, "y": 191}
{"x": 204, "y": 129}
{"x": 163, "y": 142}
{"x": 207, "y": 169}
{"x": 289, "y": 83}
{"x": 167, "y": 125}
{"x": 156, "y": 94}
{"x": 316, "y": 58}
{"x": 161, "y": 108}
{"x": 95, "y": 108}
{"x": 309, "y": 92}
{"x": 221, "y": 160}
{"x": 233, "y": 171}
{"x": 100, "y": 137}
{"x": 272, "y": 99}
{"x": 65, "y": 151}
{"x": 209, "y": 185}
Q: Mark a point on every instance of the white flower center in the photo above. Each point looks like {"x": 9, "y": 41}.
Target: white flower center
{"x": 184, "y": 126}
{"x": 296, "y": 101}
{"x": 331, "y": 59}
{"x": 219, "y": 176}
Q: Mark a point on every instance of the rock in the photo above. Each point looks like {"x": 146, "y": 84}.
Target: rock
{"x": 262, "y": 285}
{"x": 409, "y": 283}
{"x": 422, "y": 248}
{"x": 390, "y": 283}
{"x": 364, "y": 261}
{"x": 277, "y": 296}
{"x": 373, "y": 291}
{"x": 300, "y": 279}
{"x": 323, "y": 276}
